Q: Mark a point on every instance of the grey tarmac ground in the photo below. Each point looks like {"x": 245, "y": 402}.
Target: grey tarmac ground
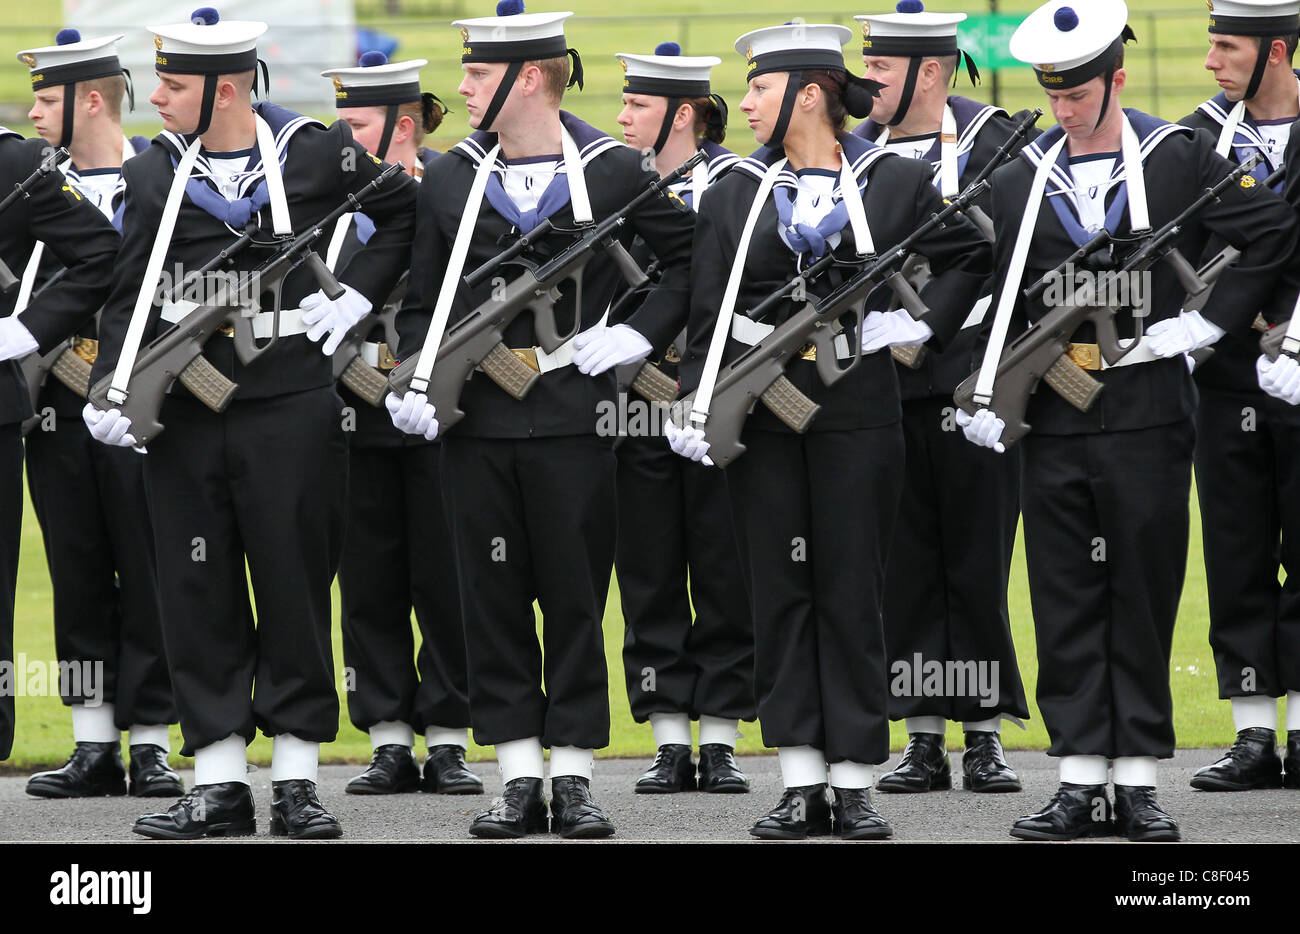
{"x": 948, "y": 816}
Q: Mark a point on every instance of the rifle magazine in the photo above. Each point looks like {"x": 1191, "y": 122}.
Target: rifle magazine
{"x": 509, "y": 371}
{"x": 654, "y": 385}
{"x": 790, "y": 405}
{"x": 910, "y": 356}
{"x": 1072, "y": 383}
{"x": 72, "y": 370}
{"x": 207, "y": 384}
{"x": 365, "y": 381}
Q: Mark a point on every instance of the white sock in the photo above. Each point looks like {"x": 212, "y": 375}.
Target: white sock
{"x": 1083, "y": 770}
{"x": 572, "y": 760}
{"x": 926, "y": 725}
{"x": 993, "y": 725}
{"x": 94, "y": 724}
{"x": 520, "y": 758}
{"x": 851, "y": 775}
{"x": 1139, "y": 771}
{"x": 1250, "y": 713}
{"x": 801, "y": 765}
{"x": 155, "y": 735}
{"x": 1292, "y": 710}
{"x": 719, "y": 731}
{"x": 446, "y": 736}
{"x": 226, "y": 760}
{"x": 670, "y": 729}
{"x": 292, "y": 758}
{"x": 391, "y": 733}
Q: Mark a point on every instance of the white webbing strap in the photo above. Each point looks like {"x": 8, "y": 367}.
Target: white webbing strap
{"x": 1229, "y": 131}
{"x": 1015, "y": 273}
{"x": 456, "y": 265}
{"x": 1139, "y": 218}
{"x": 578, "y": 198}
{"x": 1291, "y": 340}
{"x": 336, "y": 240}
{"x": 722, "y": 327}
{"x": 149, "y": 284}
{"x": 28, "y": 281}
{"x": 949, "y": 186}
{"x": 699, "y": 182}
{"x": 280, "y": 222}
{"x": 852, "y": 198}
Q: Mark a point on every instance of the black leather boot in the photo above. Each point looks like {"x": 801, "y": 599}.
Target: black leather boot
{"x": 1292, "y": 762}
{"x": 221, "y": 810}
{"x": 719, "y": 773}
{"x": 1252, "y": 762}
{"x": 856, "y": 819}
{"x": 673, "y": 771}
{"x": 392, "y": 770}
{"x": 1074, "y": 811}
{"x": 93, "y": 770}
{"x": 445, "y": 773}
{"x": 924, "y": 767}
{"x": 151, "y": 776}
{"x": 520, "y": 810}
{"x": 297, "y": 813}
{"x": 574, "y": 815}
{"x": 802, "y": 812}
{"x": 984, "y": 767}
{"x": 1140, "y": 818}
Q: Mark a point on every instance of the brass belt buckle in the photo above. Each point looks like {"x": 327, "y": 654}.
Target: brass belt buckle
{"x": 227, "y": 329}
{"x": 386, "y": 359}
{"x": 809, "y": 352}
{"x": 86, "y": 348}
{"x": 672, "y": 355}
{"x": 528, "y": 355}
{"x": 1084, "y": 356}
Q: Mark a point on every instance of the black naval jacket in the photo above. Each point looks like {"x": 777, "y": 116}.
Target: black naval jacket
{"x": 1179, "y": 165}
{"x": 77, "y": 235}
{"x": 899, "y": 197}
{"x": 321, "y": 164}
{"x": 940, "y": 373}
{"x": 564, "y": 401}
{"x": 1232, "y": 366}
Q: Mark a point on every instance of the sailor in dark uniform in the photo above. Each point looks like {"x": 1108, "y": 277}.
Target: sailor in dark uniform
{"x": 396, "y": 548}
{"x": 674, "y": 524}
{"x": 90, "y": 498}
{"x": 814, "y": 512}
{"x": 529, "y": 484}
{"x": 264, "y": 482}
{"x": 946, "y": 583}
{"x": 1244, "y": 470}
{"x": 81, "y": 239}
{"x": 1105, "y": 493}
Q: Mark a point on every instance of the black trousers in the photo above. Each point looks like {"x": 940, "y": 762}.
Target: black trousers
{"x": 397, "y": 555}
{"x": 11, "y": 527}
{"x": 1106, "y": 542}
{"x": 946, "y": 582}
{"x": 263, "y": 483}
{"x": 1248, "y": 484}
{"x": 90, "y": 501}
{"x": 534, "y": 520}
{"x": 674, "y": 525}
{"x": 814, "y": 516}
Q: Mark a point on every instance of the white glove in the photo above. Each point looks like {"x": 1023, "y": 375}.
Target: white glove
{"x": 983, "y": 429}
{"x": 413, "y": 414}
{"x": 15, "y": 340}
{"x": 111, "y": 427}
{"x": 892, "y": 329}
{"x": 1188, "y": 332}
{"x": 335, "y": 317}
{"x": 1280, "y": 378}
{"x": 688, "y": 442}
{"x": 598, "y": 349}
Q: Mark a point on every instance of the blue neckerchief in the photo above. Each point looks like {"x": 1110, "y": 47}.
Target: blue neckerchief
{"x": 1114, "y": 214}
{"x": 802, "y": 238}
{"x": 553, "y": 198}
{"x": 235, "y": 213}
{"x": 364, "y": 227}
{"x": 1242, "y": 146}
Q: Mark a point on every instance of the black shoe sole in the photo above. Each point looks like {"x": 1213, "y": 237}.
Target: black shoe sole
{"x": 495, "y": 831}
{"x": 592, "y": 831}
{"x": 231, "y": 829}
{"x": 992, "y": 788}
{"x": 158, "y": 791}
{"x": 364, "y": 789}
{"x": 723, "y": 788}
{"x": 53, "y": 791}
{"x": 1101, "y": 829}
{"x": 429, "y": 789}
{"x": 943, "y": 784}
{"x": 1209, "y": 783}
{"x": 870, "y": 833}
{"x": 1159, "y": 836}
{"x": 774, "y": 833}
{"x": 318, "y": 832}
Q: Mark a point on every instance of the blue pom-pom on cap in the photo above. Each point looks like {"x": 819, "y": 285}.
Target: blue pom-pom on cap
{"x": 510, "y": 7}
{"x": 1066, "y": 19}
{"x": 67, "y": 37}
{"x": 205, "y": 16}
{"x": 371, "y": 59}
{"x": 910, "y": 6}
{"x": 668, "y": 48}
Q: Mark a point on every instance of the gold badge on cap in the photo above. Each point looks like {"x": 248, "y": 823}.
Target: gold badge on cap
{"x": 29, "y": 60}
{"x": 866, "y": 30}
{"x": 1049, "y": 68}
{"x": 464, "y": 34}
{"x": 157, "y": 43}
{"x": 338, "y": 85}
{"x": 1209, "y": 5}
{"x": 623, "y": 62}
{"x": 749, "y": 52}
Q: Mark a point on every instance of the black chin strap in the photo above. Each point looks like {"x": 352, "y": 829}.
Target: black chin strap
{"x": 390, "y": 124}
{"x": 500, "y": 95}
{"x": 69, "y": 114}
{"x": 909, "y": 89}
{"x": 1109, "y": 79}
{"x": 667, "y": 127}
{"x": 130, "y": 90}
{"x": 787, "y": 109}
{"x": 209, "y": 101}
{"x": 1261, "y": 62}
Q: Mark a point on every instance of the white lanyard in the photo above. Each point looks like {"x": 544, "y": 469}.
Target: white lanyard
{"x": 699, "y": 182}
{"x": 948, "y": 180}
{"x": 1235, "y": 116}
{"x": 336, "y": 240}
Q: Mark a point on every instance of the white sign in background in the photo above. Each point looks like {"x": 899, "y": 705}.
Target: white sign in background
{"x": 304, "y": 38}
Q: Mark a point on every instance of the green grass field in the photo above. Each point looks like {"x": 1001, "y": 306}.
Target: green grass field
{"x": 43, "y": 724}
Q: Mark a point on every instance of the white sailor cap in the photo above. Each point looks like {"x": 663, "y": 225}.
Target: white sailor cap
{"x": 376, "y": 82}
{"x": 1070, "y": 42}
{"x": 794, "y": 47}
{"x": 910, "y": 31}
{"x": 667, "y": 73}
{"x": 513, "y": 35}
{"x": 207, "y": 45}
{"x": 72, "y": 59}
{"x": 1254, "y": 17}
